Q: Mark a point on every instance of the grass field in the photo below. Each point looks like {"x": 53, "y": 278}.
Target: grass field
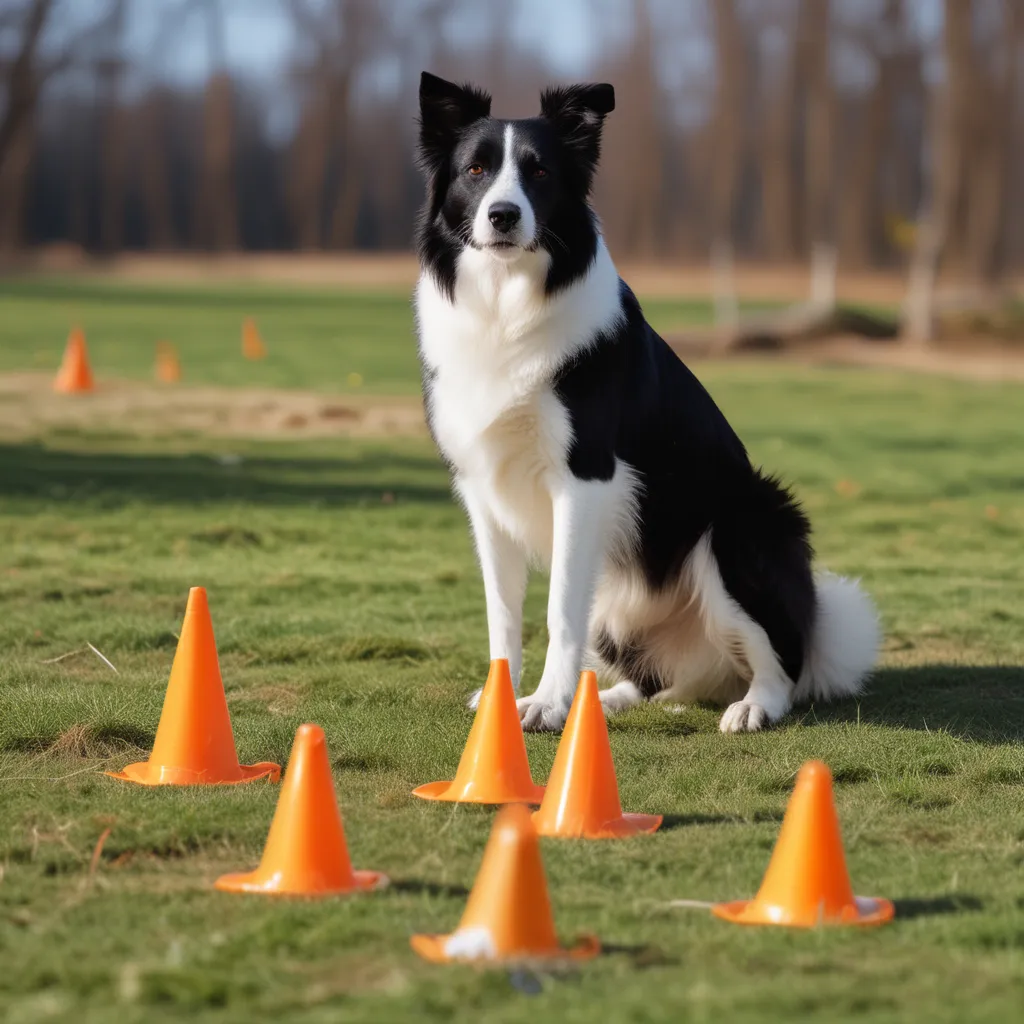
{"x": 344, "y": 591}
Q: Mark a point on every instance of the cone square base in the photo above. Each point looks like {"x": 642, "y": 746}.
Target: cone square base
{"x": 255, "y": 882}
{"x": 145, "y": 773}
{"x": 619, "y": 828}
{"x": 478, "y": 794}
{"x": 869, "y": 910}
{"x": 432, "y": 948}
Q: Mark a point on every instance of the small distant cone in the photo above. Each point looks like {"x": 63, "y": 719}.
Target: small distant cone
{"x": 252, "y": 343}
{"x": 306, "y": 853}
{"x": 807, "y": 883}
{"x": 581, "y": 799}
{"x": 494, "y": 768}
{"x": 74, "y": 374}
{"x": 194, "y": 743}
{"x": 168, "y": 366}
{"x": 508, "y": 916}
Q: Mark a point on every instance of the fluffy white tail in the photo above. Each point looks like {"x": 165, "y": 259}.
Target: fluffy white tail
{"x": 846, "y": 639}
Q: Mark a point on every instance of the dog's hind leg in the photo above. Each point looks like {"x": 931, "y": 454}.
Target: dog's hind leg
{"x": 770, "y": 693}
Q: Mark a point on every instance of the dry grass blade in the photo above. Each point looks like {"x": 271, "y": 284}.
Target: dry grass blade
{"x": 98, "y": 851}
{"x": 104, "y": 659}
{"x": 61, "y": 657}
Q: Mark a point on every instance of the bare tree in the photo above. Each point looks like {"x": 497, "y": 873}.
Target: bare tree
{"x": 819, "y": 158}
{"x": 216, "y": 210}
{"x": 995, "y": 105}
{"x": 779, "y": 183}
{"x": 858, "y": 213}
{"x": 151, "y": 122}
{"x": 110, "y": 69}
{"x": 950, "y": 122}
{"x": 728, "y": 154}
{"x": 23, "y": 80}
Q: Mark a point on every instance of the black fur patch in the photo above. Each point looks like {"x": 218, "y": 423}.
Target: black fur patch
{"x": 630, "y": 398}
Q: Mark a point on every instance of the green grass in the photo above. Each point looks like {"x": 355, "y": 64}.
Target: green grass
{"x": 344, "y": 591}
{"x": 315, "y": 339}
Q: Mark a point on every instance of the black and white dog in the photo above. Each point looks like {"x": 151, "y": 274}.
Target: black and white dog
{"x": 577, "y": 439}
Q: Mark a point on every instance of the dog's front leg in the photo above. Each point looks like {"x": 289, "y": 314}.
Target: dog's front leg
{"x": 504, "y": 569}
{"x": 581, "y": 518}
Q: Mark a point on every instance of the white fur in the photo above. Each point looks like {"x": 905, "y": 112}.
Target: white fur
{"x": 707, "y": 648}
{"x": 494, "y": 352}
{"x": 507, "y": 188}
{"x": 591, "y": 519}
{"x": 847, "y": 636}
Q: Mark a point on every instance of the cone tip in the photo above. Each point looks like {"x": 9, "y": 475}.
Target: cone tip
{"x": 815, "y": 771}
{"x": 499, "y": 672}
{"x": 514, "y": 817}
{"x": 588, "y": 679}
{"x": 309, "y": 733}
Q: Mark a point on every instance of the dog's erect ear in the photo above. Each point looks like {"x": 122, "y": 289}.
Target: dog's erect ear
{"x": 578, "y": 113}
{"x": 445, "y": 109}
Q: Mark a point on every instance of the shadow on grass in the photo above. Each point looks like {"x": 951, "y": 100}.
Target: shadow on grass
{"x": 112, "y": 479}
{"x": 980, "y": 703}
{"x": 640, "y": 956}
{"x": 908, "y": 909}
{"x": 674, "y": 821}
{"x": 417, "y": 887}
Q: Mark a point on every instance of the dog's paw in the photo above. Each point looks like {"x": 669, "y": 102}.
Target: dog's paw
{"x": 538, "y": 715}
{"x": 744, "y": 717}
{"x": 620, "y": 697}
{"x": 473, "y": 702}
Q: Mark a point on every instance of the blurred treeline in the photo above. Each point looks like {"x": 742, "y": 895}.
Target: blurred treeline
{"x": 763, "y": 128}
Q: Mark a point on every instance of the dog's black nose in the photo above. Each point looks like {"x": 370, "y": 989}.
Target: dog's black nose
{"x": 504, "y": 216}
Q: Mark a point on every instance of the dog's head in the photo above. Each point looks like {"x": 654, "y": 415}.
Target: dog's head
{"x": 507, "y": 188}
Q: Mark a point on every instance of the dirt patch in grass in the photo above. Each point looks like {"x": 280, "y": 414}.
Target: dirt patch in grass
{"x": 29, "y": 406}
{"x": 88, "y": 742}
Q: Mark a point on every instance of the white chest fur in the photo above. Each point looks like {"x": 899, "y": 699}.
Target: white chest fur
{"x": 493, "y": 353}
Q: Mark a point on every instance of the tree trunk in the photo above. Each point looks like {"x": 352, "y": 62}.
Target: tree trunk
{"x": 859, "y": 196}
{"x": 22, "y": 82}
{"x": 155, "y": 185}
{"x": 818, "y": 154}
{"x": 727, "y": 156}
{"x": 995, "y": 105}
{"x": 217, "y": 225}
{"x": 778, "y": 207}
{"x": 14, "y": 175}
{"x": 307, "y": 168}
{"x": 948, "y": 154}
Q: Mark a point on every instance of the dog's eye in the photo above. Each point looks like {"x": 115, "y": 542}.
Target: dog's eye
{"x": 540, "y": 172}
{"x": 475, "y": 170}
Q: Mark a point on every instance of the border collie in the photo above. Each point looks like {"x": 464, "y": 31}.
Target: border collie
{"x": 577, "y": 439}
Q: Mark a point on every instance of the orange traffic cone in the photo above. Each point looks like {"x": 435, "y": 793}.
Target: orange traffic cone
{"x": 168, "y": 367}
{"x": 494, "y": 768}
{"x": 194, "y": 743}
{"x": 508, "y": 916}
{"x": 252, "y": 343}
{"x": 581, "y": 799}
{"x": 807, "y": 883}
{"x": 306, "y": 853}
{"x": 74, "y": 374}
